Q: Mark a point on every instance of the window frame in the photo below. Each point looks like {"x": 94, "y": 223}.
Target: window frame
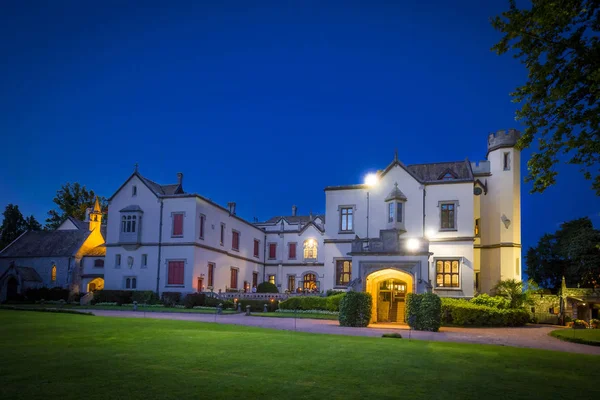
{"x": 337, "y": 272}
{"x": 254, "y": 279}
{"x": 305, "y": 250}
{"x": 118, "y": 260}
{"x": 391, "y": 212}
{"x": 233, "y": 236}
{"x": 506, "y": 161}
{"x": 291, "y": 278}
{"x": 98, "y": 261}
{"x": 173, "y": 214}
{"x": 201, "y": 228}
{"x": 144, "y": 261}
{"x": 455, "y": 205}
{"x": 130, "y": 282}
{"x": 269, "y": 253}
{"x": 256, "y": 248}
{"x": 173, "y": 260}
{"x": 234, "y": 272}
{"x": 295, "y": 246}
{"x": 133, "y": 190}
{"x": 351, "y": 214}
{"x": 210, "y": 274}
{"x": 459, "y": 273}
{"x": 274, "y": 280}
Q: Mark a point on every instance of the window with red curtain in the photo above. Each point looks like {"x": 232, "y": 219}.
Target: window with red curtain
{"x": 234, "y": 278}
{"x": 175, "y": 273}
{"x": 256, "y": 247}
{"x": 292, "y": 252}
{"x": 177, "y": 224}
{"x": 211, "y": 274}
{"x": 272, "y": 250}
{"x": 235, "y": 240}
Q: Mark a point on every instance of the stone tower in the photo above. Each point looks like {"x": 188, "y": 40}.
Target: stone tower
{"x": 96, "y": 216}
{"x": 500, "y": 212}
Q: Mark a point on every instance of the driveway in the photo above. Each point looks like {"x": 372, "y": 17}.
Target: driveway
{"x": 531, "y": 336}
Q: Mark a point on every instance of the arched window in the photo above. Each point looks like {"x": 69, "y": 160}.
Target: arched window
{"x": 310, "y": 249}
{"x": 53, "y": 274}
{"x": 99, "y": 263}
{"x": 130, "y": 283}
{"x": 310, "y": 282}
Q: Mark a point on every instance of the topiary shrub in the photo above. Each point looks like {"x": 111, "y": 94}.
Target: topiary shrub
{"x": 170, "y": 299}
{"x": 424, "y": 311}
{"x": 192, "y": 300}
{"x": 355, "y": 309}
{"x": 266, "y": 287}
{"x": 144, "y": 297}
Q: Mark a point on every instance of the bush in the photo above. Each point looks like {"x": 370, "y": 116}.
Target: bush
{"x": 266, "y": 287}
{"x": 259, "y": 305}
{"x": 194, "y": 300}
{"x": 595, "y": 323}
{"x": 355, "y": 309}
{"x": 214, "y": 302}
{"x": 490, "y": 301}
{"x": 170, "y": 299}
{"x": 333, "y": 292}
{"x": 144, "y": 297}
{"x": 423, "y": 311}
{"x": 36, "y": 294}
{"x": 465, "y": 313}
{"x": 579, "y": 324}
{"x": 113, "y": 296}
{"x": 392, "y": 335}
{"x": 332, "y": 303}
{"x": 304, "y": 303}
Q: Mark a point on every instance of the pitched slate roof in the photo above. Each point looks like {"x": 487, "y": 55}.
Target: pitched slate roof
{"x": 157, "y": 189}
{"x": 294, "y": 219}
{"x": 81, "y": 225}
{"x": 98, "y": 251}
{"x": 63, "y": 243}
{"x": 29, "y": 274}
{"x": 461, "y": 170}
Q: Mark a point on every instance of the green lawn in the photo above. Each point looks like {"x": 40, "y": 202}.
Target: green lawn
{"x": 64, "y": 356}
{"x": 585, "y": 336}
{"x": 299, "y": 315}
{"x": 123, "y": 308}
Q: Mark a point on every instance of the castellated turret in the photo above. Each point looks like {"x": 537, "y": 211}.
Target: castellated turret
{"x": 502, "y": 139}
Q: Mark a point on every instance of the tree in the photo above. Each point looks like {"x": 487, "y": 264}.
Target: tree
{"x": 558, "y": 42}
{"x": 31, "y": 224}
{"x": 572, "y": 251}
{"x": 72, "y": 200}
{"x": 13, "y": 225}
{"x": 515, "y": 291}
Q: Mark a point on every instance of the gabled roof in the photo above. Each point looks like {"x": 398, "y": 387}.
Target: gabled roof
{"x": 293, "y": 219}
{"x": 63, "y": 243}
{"x": 433, "y": 172}
{"x": 81, "y": 225}
{"x": 157, "y": 189}
{"x": 132, "y": 208}
{"x": 27, "y": 274}
{"x": 98, "y": 251}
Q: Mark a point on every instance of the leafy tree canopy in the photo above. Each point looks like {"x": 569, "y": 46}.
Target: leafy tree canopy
{"x": 72, "y": 200}
{"x": 573, "y": 251}
{"x": 558, "y": 41}
{"x": 14, "y": 225}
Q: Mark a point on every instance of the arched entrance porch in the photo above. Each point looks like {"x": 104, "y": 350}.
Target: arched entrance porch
{"x": 388, "y": 288}
{"x": 95, "y": 284}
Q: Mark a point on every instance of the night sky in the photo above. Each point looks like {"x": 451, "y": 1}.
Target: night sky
{"x": 264, "y": 104}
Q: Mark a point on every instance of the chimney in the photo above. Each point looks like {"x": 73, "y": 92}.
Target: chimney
{"x": 180, "y": 178}
{"x": 231, "y": 206}
{"x": 87, "y": 214}
{"x": 294, "y": 210}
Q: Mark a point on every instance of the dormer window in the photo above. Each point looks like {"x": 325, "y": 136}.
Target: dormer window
{"x": 447, "y": 177}
{"x": 395, "y": 209}
{"x": 131, "y": 220}
{"x": 134, "y": 190}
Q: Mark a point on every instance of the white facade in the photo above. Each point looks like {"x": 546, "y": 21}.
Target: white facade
{"x": 454, "y": 230}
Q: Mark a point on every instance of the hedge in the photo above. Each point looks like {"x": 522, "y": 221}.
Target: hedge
{"x": 214, "y": 302}
{"x": 145, "y": 297}
{"x": 45, "y": 293}
{"x": 113, "y": 296}
{"x": 194, "y": 300}
{"x": 170, "y": 299}
{"x": 258, "y": 305}
{"x": 465, "y": 313}
{"x": 423, "y": 311}
{"x": 355, "y": 309}
{"x": 331, "y": 303}
{"x": 266, "y": 287}
{"x": 490, "y": 301}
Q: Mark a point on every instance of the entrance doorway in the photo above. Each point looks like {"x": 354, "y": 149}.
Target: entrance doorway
{"x": 200, "y": 285}
{"x": 12, "y": 289}
{"x": 388, "y": 288}
{"x": 95, "y": 284}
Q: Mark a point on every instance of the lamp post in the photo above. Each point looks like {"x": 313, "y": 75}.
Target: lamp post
{"x": 370, "y": 181}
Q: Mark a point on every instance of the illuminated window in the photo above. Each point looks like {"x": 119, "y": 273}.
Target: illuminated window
{"x": 447, "y": 273}
{"x": 310, "y": 249}
{"x": 53, "y": 273}
{"x": 291, "y": 283}
{"x": 343, "y": 272}
{"x": 346, "y": 219}
{"x": 477, "y": 233}
{"x": 272, "y": 279}
{"x": 128, "y": 223}
{"x": 448, "y": 216}
{"x": 234, "y": 278}
{"x": 309, "y": 282}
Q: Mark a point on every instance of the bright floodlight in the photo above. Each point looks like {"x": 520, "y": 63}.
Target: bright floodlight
{"x": 413, "y": 244}
{"x": 371, "y": 179}
{"x": 430, "y": 233}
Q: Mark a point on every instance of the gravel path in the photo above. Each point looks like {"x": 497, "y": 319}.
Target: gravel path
{"x": 531, "y": 336}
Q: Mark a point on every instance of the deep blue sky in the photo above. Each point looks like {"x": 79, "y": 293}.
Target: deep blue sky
{"x": 262, "y": 104}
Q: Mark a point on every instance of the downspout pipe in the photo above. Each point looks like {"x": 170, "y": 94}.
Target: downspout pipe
{"x": 160, "y": 225}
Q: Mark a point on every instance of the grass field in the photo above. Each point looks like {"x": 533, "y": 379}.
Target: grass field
{"x": 64, "y": 356}
{"x": 585, "y": 336}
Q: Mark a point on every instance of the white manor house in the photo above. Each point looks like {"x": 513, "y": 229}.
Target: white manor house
{"x": 453, "y": 228}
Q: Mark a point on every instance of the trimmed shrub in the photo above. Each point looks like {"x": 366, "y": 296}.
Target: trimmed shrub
{"x": 304, "y": 303}
{"x": 333, "y": 292}
{"x": 259, "y": 305}
{"x": 333, "y": 302}
{"x": 170, "y": 299}
{"x": 144, "y": 297}
{"x": 490, "y": 301}
{"x": 194, "y": 300}
{"x": 266, "y": 287}
{"x": 214, "y": 302}
{"x": 465, "y": 313}
{"x": 423, "y": 311}
{"x": 355, "y": 309}
{"x": 113, "y": 296}
{"x": 44, "y": 293}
